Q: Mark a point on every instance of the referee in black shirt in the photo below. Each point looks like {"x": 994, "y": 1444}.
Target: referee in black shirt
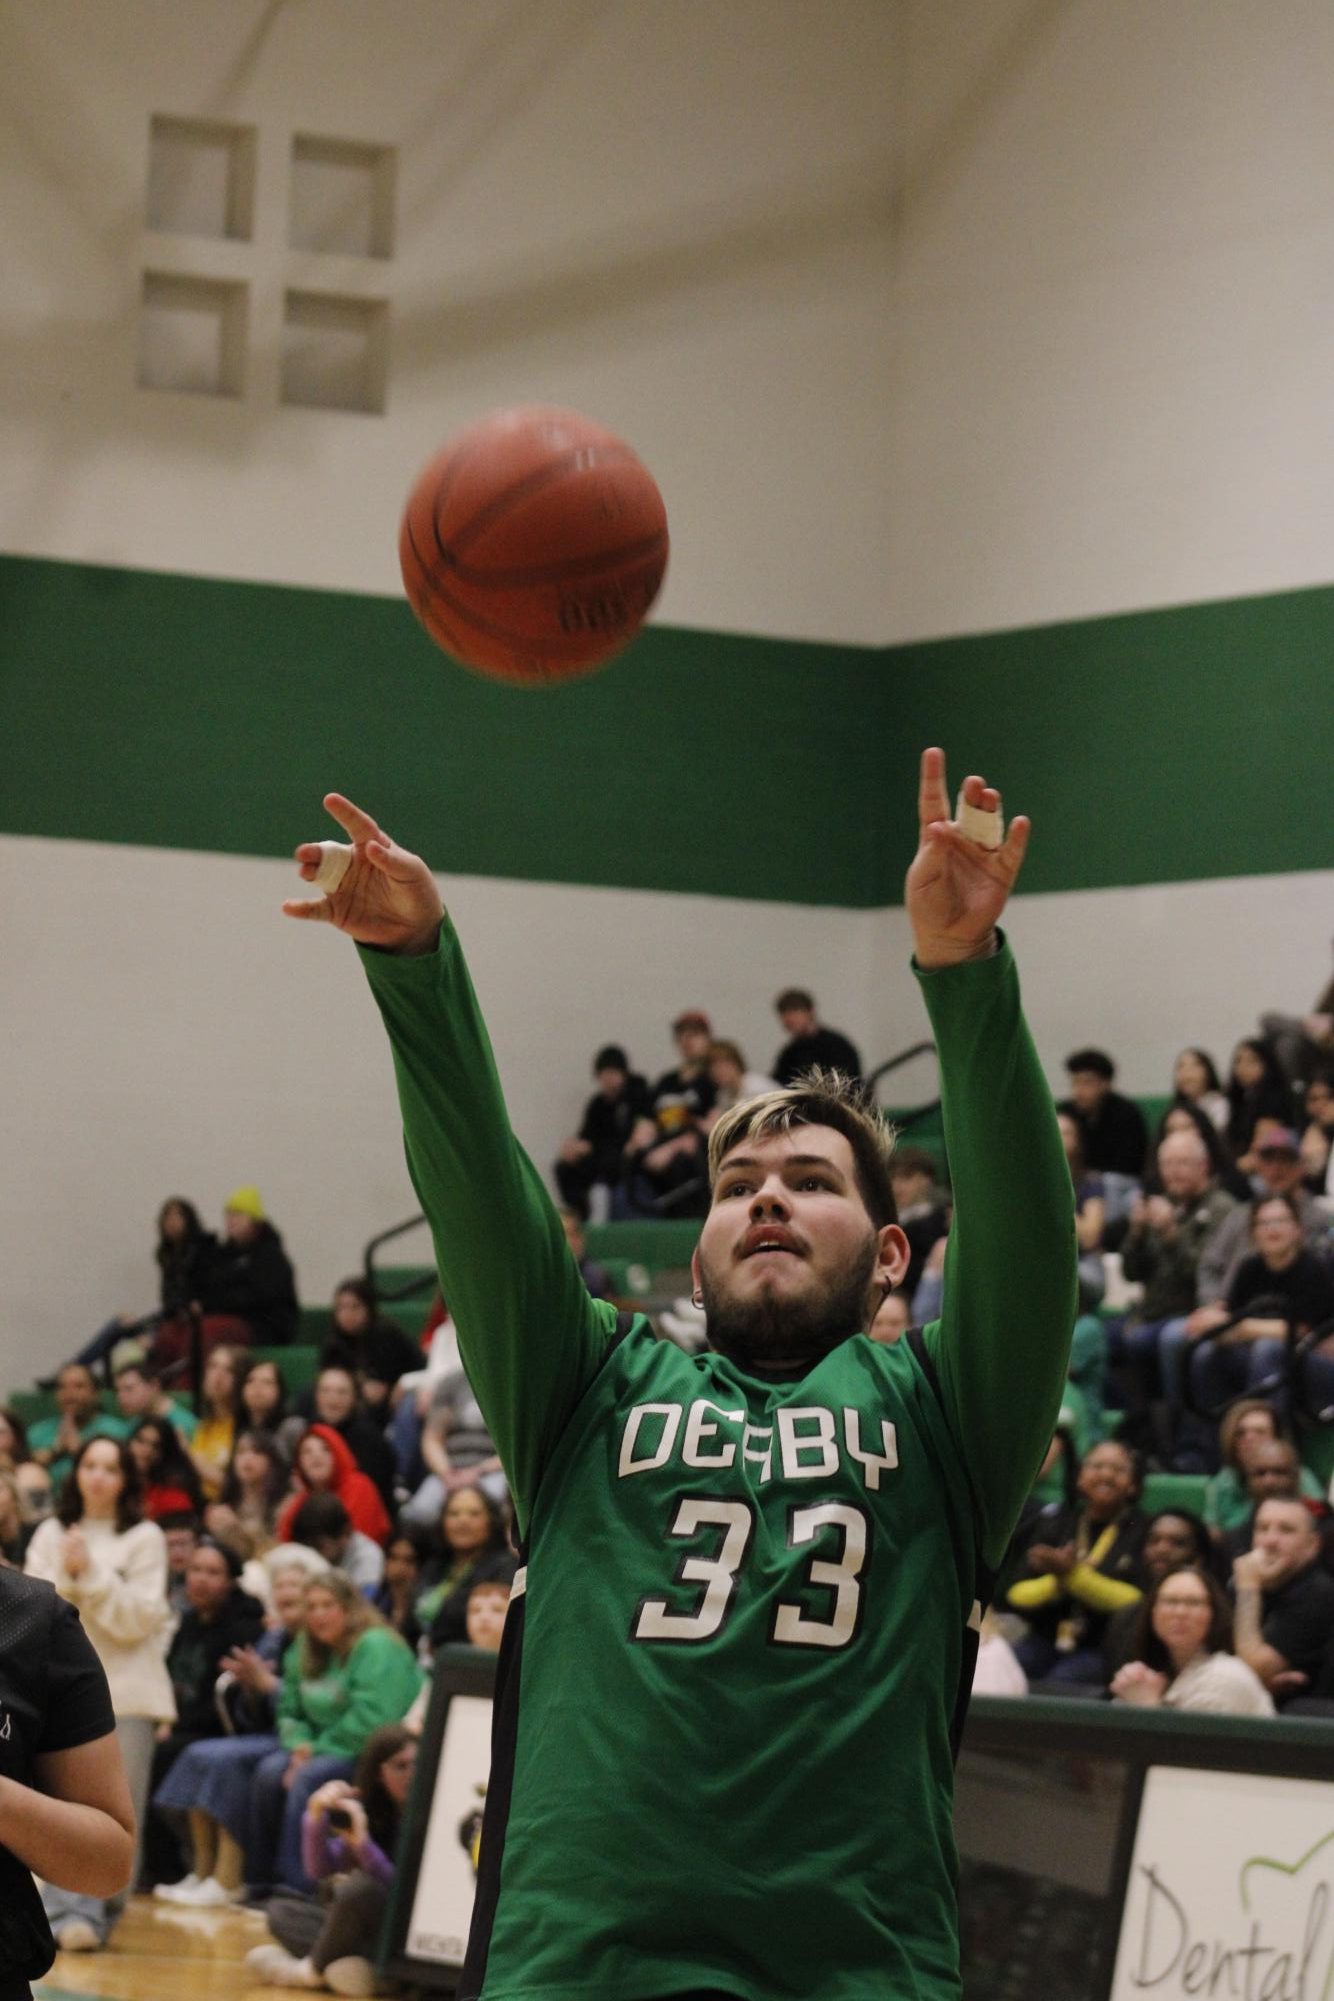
{"x": 65, "y": 1810}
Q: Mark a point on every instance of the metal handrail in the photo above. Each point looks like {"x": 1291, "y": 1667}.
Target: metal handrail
{"x": 413, "y": 1286}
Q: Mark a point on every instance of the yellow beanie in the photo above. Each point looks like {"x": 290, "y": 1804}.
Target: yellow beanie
{"x": 246, "y": 1202}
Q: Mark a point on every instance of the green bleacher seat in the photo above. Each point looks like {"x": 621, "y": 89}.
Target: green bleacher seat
{"x": 661, "y": 1245}
{"x": 1174, "y": 1490}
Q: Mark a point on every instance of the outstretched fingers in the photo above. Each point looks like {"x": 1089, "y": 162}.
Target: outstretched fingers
{"x": 356, "y": 824}
{"x": 1015, "y": 845}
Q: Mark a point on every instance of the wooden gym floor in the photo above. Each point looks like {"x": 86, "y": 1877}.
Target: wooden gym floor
{"x": 158, "y": 1953}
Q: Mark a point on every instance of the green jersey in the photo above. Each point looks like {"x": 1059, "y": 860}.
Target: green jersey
{"x": 722, "y": 1741}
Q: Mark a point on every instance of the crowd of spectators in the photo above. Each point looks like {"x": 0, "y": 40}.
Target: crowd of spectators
{"x": 640, "y": 1148}
{"x": 267, "y": 1575}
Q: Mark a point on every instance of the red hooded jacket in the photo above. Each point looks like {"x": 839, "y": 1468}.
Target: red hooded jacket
{"x": 358, "y": 1493}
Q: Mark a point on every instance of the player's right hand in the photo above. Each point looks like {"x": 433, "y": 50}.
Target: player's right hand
{"x": 387, "y": 897}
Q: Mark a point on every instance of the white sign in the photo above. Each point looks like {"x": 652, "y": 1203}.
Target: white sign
{"x": 1231, "y": 1891}
{"x": 447, "y": 1879}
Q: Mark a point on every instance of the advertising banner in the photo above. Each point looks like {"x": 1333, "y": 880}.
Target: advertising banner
{"x": 1231, "y": 1889}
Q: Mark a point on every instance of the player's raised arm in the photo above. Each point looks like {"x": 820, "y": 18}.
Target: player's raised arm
{"x": 530, "y": 1336}
{"x": 1002, "y": 1344}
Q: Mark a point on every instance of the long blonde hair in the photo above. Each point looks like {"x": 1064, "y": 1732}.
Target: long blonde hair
{"x": 316, "y": 1656}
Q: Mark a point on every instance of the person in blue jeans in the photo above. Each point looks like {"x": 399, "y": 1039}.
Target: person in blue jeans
{"x": 1242, "y": 1344}
{"x": 348, "y": 1673}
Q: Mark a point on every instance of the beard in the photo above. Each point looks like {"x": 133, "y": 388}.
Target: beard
{"x": 769, "y": 1335}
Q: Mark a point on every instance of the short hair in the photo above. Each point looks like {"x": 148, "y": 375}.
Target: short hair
{"x": 914, "y": 1160}
{"x": 1218, "y": 1640}
{"x": 1288, "y": 1501}
{"x": 137, "y": 1368}
{"x": 1263, "y": 1201}
{"x": 818, "y": 1098}
{"x": 1204, "y": 1549}
{"x": 1095, "y": 1060}
{"x": 179, "y": 1518}
{"x": 721, "y": 1046}
{"x": 611, "y": 1056}
{"x": 77, "y": 1368}
{"x": 319, "y": 1515}
{"x": 792, "y": 998}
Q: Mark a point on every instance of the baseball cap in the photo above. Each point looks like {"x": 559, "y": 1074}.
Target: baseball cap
{"x": 1279, "y": 1139}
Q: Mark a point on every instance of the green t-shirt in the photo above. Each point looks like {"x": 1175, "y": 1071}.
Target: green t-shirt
{"x": 729, "y": 1677}
{"x": 42, "y": 1437}
{"x": 334, "y": 1712}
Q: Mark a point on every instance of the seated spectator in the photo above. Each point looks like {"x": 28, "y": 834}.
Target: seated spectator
{"x": 666, "y": 1169}
{"x": 458, "y": 1451}
{"x": 1183, "y": 1656}
{"x": 1284, "y": 1600}
{"x": 14, "y": 1449}
{"x": 255, "y": 1280}
{"x": 110, "y": 1564}
{"x": 1116, "y": 1139}
{"x": 170, "y": 1483}
{"x": 264, "y": 1402}
{"x": 55, "y": 1441}
{"x": 1303, "y": 1043}
{"x": 590, "y": 1165}
{"x": 253, "y": 1491}
{"x": 473, "y": 1541}
{"x": 1242, "y": 1344}
{"x": 1162, "y": 1252}
{"x": 1257, "y": 1089}
{"x": 732, "y": 1081}
{"x": 892, "y": 1318}
{"x": 139, "y": 1394}
{"x": 337, "y": 1407}
{"x": 810, "y": 1045}
{"x": 1173, "y": 1540}
{"x": 1090, "y": 1210}
{"x": 1083, "y": 1565}
{"x": 1316, "y": 1145}
{"x": 1184, "y": 1117}
{"x": 1245, "y": 1428}
{"x": 396, "y": 1598}
{"x": 1273, "y": 1472}
{"x": 596, "y": 1282}
{"x": 219, "y": 1410}
{"x": 220, "y": 1618}
{"x": 209, "y": 1784}
{"x": 923, "y": 1208}
{"x": 347, "y": 1674}
{"x": 488, "y": 1603}
{"x": 1278, "y": 1172}
{"x": 373, "y": 1348}
{"x": 348, "y": 1841}
{"x": 186, "y": 1255}
{"x": 321, "y": 1524}
{"x": 1195, "y": 1081}
{"x": 15, "y": 1534}
{"x": 180, "y": 1533}
{"x": 324, "y": 1465}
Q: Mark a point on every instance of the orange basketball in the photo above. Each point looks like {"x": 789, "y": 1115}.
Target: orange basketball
{"x": 533, "y": 545}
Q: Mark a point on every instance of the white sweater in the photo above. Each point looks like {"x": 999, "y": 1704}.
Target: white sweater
{"x": 122, "y": 1601}
{"x": 1221, "y": 1683}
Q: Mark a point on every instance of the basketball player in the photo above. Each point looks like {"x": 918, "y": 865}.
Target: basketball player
{"x": 731, "y": 1666}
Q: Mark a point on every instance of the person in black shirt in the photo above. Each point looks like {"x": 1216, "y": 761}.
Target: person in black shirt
{"x": 1116, "y": 1139}
{"x": 57, "y": 1732}
{"x": 252, "y": 1277}
{"x": 809, "y": 1046}
{"x": 594, "y": 1157}
{"x": 377, "y": 1350}
{"x": 666, "y": 1168}
{"x": 1273, "y": 1472}
{"x": 1285, "y": 1601}
{"x": 1174, "y": 1539}
{"x": 1243, "y": 1351}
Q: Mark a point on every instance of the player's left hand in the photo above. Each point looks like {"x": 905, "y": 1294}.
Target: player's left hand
{"x": 956, "y": 889}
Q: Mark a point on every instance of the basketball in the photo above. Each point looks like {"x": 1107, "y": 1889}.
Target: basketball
{"x": 533, "y": 545}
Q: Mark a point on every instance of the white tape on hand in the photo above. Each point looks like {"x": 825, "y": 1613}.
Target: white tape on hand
{"x": 335, "y": 860}
{"x": 986, "y": 829}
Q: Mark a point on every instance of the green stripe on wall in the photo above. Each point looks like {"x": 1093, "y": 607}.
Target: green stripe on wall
{"x": 185, "y": 712}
